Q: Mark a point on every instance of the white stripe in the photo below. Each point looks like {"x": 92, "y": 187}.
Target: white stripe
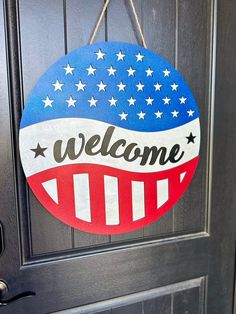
{"x": 111, "y": 200}
{"x": 52, "y": 130}
{"x": 162, "y": 192}
{"x": 182, "y": 175}
{"x": 82, "y": 197}
{"x": 138, "y": 200}
{"x": 51, "y": 188}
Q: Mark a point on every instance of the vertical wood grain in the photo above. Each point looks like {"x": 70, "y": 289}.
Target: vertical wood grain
{"x": 223, "y": 172}
{"x": 8, "y": 206}
{"x": 42, "y": 43}
{"x": 120, "y": 23}
{"x": 193, "y": 63}
{"x": 81, "y": 18}
{"x": 6, "y": 186}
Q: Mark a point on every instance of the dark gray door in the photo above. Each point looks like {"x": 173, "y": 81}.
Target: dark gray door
{"x": 184, "y": 263}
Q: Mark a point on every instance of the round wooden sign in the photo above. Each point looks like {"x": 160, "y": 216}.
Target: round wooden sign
{"x": 109, "y": 138}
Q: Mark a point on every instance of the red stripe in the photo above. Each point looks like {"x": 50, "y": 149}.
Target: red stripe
{"x": 174, "y": 185}
{"x": 65, "y": 211}
{"x": 150, "y": 188}
{"x": 66, "y": 194}
{"x": 97, "y": 199}
{"x": 125, "y": 202}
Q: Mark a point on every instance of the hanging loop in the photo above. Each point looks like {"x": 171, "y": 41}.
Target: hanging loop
{"x": 99, "y": 21}
{"x": 104, "y": 8}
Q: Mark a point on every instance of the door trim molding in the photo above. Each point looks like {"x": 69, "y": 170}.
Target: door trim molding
{"x": 142, "y": 296}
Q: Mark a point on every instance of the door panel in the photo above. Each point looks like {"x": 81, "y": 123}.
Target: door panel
{"x": 183, "y": 297}
{"x": 145, "y": 268}
{"x": 181, "y": 263}
{"x": 179, "y": 42}
{"x": 36, "y": 56}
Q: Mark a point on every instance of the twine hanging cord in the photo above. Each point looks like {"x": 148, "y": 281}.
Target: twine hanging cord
{"x": 102, "y": 15}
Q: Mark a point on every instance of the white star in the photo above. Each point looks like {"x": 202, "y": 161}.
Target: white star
{"x": 111, "y": 71}
{"x": 149, "y": 72}
{"x": 190, "y": 113}
{"x": 91, "y": 70}
{"x": 139, "y": 57}
{"x": 100, "y": 54}
{"x": 48, "y": 102}
{"x": 175, "y": 114}
{"x": 149, "y": 100}
{"x": 57, "y": 86}
{"x": 141, "y": 115}
{"x": 166, "y": 72}
{"x": 158, "y": 86}
{"x": 123, "y": 116}
{"x": 101, "y": 86}
{"x": 131, "y": 101}
{"x": 182, "y": 100}
{"x": 69, "y": 69}
{"x": 140, "y": 86}
{"x": 131, "y": 71}
{"x": 120, "y": 56}
{"x": 71, "y": 102}
{"x": 174, "y": 87}
{"x": 166, "y": 101}
{"x": 158, "y": 114}
{"x": 80, "y": 86}
{"x": 121, "y": 86}
{"x": 93, "y": 102}
{"x": 112, "y": 101}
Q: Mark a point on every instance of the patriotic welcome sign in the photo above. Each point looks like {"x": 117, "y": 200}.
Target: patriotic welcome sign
{"x": 109, "y": 138}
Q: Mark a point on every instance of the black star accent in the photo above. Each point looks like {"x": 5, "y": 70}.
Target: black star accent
{"x": 190, "y": 138}
{"x": 39, "y": 151}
